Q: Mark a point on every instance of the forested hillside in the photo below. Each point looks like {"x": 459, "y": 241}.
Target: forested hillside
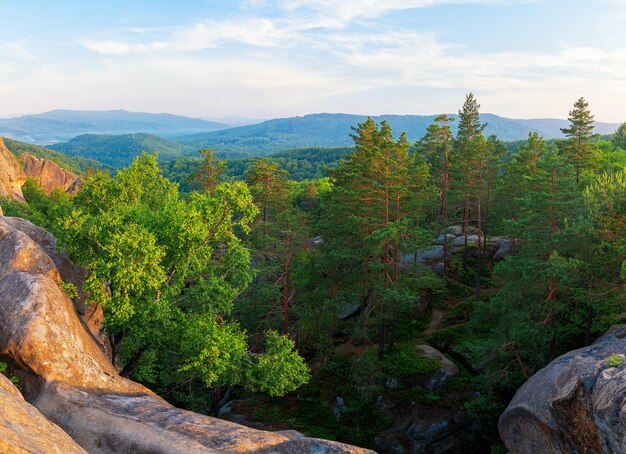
{"x": 301, "y": 164}
{"x": 121, "y": 150}
{"x": 395, "y": 302}
{"x": 332, "y": 130}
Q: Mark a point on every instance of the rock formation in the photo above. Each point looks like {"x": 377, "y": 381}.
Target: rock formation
{"x": 48, "y": 174}
{"x": 11, "y": 175}
{"x": 24, "y": 429}
{"x": 497, "y": 248}
{"x": 68, "y": 378}
{"x": 576, "y": 404}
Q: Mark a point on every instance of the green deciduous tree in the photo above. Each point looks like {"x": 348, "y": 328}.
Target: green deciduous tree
{"x": 173, "y": 269}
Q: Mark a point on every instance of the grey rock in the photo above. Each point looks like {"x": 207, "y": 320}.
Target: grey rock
{"x": 433, "y": 254}
{"x": 574, "y": 404}
{"x": 505, "y": 248}
{"x": 447, "y": 370}
{"x": 353, "y": 310}
{"x": 441, "y": 239}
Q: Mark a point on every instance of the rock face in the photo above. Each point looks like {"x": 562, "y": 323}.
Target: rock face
{"x": 576, "y": 404}
{"x": 24, "y": 429}
{"x": 92, "y": 315}
{"x": 11, "y": 175}
{"x": 48, "y": 174}
{"x": 68, "y": 378}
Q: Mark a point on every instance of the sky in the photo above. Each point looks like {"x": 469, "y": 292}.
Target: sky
{"x": 267, "y": 59}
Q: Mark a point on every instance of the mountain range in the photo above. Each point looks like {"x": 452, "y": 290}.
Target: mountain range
{"x": 116, "y": 137}
{"x": 332, "y": 130}
{"x": 62, "y": 125}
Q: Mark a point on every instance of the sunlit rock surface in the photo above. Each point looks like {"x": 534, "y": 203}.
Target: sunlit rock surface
{"x": 11, "y": 175}
{"x": 48, "y": 174}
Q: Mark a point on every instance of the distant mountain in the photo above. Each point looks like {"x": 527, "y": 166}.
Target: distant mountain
{"x": 62, "y": 125}
{"x": 238, "y": 121}
{"x": 120, "y": 150}
{"x": 333, "y": 130}
{"x": 74, "y": 164}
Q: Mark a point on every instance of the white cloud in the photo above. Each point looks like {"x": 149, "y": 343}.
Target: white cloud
{"x": 310, "y": 58}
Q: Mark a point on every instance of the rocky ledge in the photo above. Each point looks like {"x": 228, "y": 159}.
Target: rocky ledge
{"x": 77, "y": 401}
{"x": 576, "y": 404}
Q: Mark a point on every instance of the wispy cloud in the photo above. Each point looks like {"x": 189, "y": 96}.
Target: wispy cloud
{"x": 267, "y": 58}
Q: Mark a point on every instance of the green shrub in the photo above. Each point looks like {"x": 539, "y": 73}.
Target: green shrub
{"x": 615, "y": 360}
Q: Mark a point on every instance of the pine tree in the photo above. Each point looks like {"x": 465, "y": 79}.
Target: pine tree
{"x": 468, "y": 159}
{"x": 619, "y": 138}
{"x": 436, "y": 145}
{"x": 580, "y": 133}
{"x": 369, "y": 215}
{"x": 277, "y": 235}
{"x": 210, "y": 170}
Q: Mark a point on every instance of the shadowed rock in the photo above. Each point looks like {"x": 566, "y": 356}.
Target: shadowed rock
{"x": 69, "y": 379}
{"x": 576, "y": 404}
{"x": 48, "y": 174}
{"x": 24, "y": 429}
{"x": 11, "y": 175}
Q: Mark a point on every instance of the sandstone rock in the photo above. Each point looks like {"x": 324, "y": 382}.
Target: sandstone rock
{"x": 11, "y": 175}
{"x": 455, "y": 230}
{"x": 505, "y": 248}
{"x": 449, "y": 434}
{"x": 447, "y": 370}
{"x": 24, "y": 429}
{"x": 350, "y": 312}
{"x": 577, "y": 403}
{"x": 444, "y": 237}
{"x": 433, "y": 254}
{"x": 92, "y": 315}
{"x": 68, "y": 378}
{"x": 458, "y": 243}
{"x": 47, "y": 173}
{"x": 427, "y": 429}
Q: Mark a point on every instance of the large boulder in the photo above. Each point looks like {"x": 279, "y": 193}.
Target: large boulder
{"x": 11, "y": 175}
{"x": 69, "y": 379}
{"x": 576, "y": 404}
{"x": 48, "y": 174}
{"x": 447, "y": 369}
{"x": 24, "y": 429}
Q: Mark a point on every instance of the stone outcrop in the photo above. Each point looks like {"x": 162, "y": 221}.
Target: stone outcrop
{"x": 68, "y": 378}
{"x": 447, "y": 369}
{"x": 48, "y": 174}
{"x": 11, "y": 175}
{"x": 496, "y": 248}
{"x": 577, "y": 403}
{"x": 24, "y": 429}
{"x": 91, "y": 315}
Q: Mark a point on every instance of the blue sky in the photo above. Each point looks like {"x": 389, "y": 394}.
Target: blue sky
{"x": 262, "y": 59}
